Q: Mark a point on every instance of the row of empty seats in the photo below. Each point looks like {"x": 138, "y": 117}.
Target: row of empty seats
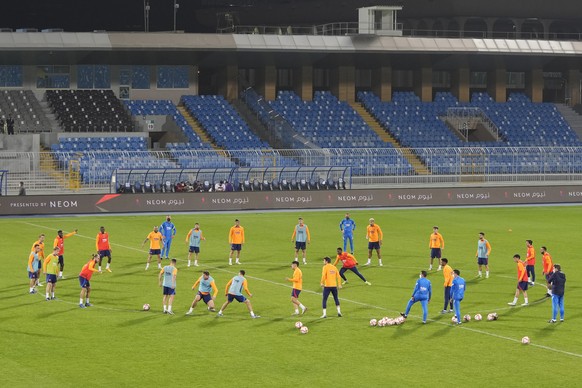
{"x": 89, "y": 111}
{"x": 99, "y": 157}
{"x": 167, "y": 108}
{"x": 25, "y": 110}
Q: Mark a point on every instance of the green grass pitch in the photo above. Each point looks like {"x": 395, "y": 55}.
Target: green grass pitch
{"x": 114, "y": 343}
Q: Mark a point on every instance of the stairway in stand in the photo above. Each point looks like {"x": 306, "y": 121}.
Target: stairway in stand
{"x": 385, "y": 136}
{"x": 198, "y": 129}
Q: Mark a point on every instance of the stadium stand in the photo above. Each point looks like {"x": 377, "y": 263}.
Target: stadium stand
{"x": 89, "y": 111}
{"x": 96, "y": 165}
{"x": 229, "y": 131}
{"x": 331, "y": 123}
{"x": 25, "y": 110}
{"x": 418, "y": 124}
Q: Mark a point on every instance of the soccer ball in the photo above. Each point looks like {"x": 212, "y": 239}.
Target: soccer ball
{"x": 146, "y": 307}
{"x": 478, "y": 317}
{"x": 467, "y": 318}
{"x": 525, "y": 340}
{"x": 391, "y": 322}
{"x": 492, "y": 317}
{"x": 382, "y": 322}
{"x": 454, "y": 319}
{"x": 399, "y": 320}
{"x": 304, "y": 330}
{"x": 373, "y": 322}
{"x": 298, "y": 325}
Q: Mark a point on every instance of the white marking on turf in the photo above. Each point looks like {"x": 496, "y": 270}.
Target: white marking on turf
{"x": 343, "y": 299}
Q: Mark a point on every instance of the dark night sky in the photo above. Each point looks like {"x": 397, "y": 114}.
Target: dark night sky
{"x": 201, "y": 15}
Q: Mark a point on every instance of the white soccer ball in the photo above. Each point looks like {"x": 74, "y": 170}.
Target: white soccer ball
{"x": 492, "y": 316}
{"x": 399, "y": 320}
{"x": 373, "y": 322}
{"x": 382, "y": 322}
{"x": 298, "y": 325}
{"x": 304, "y": 330}
{"x": 478, "y": 317}
{"x": 454, "y": 319}
{"x": 467, "y": 318}
{"x": 146, "y": 307}
{"x": 525, "y": 340}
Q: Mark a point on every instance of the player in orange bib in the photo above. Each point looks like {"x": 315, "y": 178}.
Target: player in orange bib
{"x": 85, "y": 277}
{"x": 103, "y": 247}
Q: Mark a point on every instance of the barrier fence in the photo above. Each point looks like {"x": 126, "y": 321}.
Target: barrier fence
{"x": 87, "y": 172}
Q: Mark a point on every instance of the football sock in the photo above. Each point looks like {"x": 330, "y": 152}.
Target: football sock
{"x": 296, "y": 311}
{"x": 81, "y": 301}
{"x": 53, "y": 295}
{"x": 165, "y": 309}
{"x": 169, "y": 307}
{"x": 190, "y": 311}
{"x": 338, "y": 310}
{"x": 47, "y": 295}
{"x": 324, "y": 311}
{"x": 514, "y": 300}
{"x": 301, "y": 306}
{"x": 526, "y": 300}
{"x": 87, "y": 300}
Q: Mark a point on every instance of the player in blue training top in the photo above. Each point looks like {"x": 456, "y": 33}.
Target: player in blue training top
{"x": 347, "y": 227}
{"x": 457, "y": 293}
{"x": 422, "y": 293}
{"x": 168, "y": 230}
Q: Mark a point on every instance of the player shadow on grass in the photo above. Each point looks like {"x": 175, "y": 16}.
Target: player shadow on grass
{"x": 53, "y": 313}
{"x": 145, "y": 317}
{"x": 10, "y": 288}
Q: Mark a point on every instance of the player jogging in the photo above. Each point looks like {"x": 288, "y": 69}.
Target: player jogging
{"x": 50, "y": 267}
{"x": 103, "y": 247}
{"x": 530, "y": 262}
{"x": 374, "y": 236}
{"x": 482, "y": 255}
{"x": 348, "y": 263}
{"x": 168, "y": 230}
{"x": 347, "y": 227}
{"x": 297, "y": 281}
{"x": 330, "y": 282}
{"x": 167, "y": 280}
{"x": 233, "y": 291}
{"x": 155, "y": 238}
{"x": 522, "y": 282}
{"x": 436, "y": 243}
{"x": 548, "y": 268}
{"x": 205, "y": 284}
{"x": 301, "y": 237}
{"x": 84, "y": 280}
{"x": 194, "y": 238}
{"x": 236, "y": 239}
{"x": 422, "y": 293}
{"x": 457, "y": 293}
{"x": 60, "y": 243}
{"x": 32, "y": 267}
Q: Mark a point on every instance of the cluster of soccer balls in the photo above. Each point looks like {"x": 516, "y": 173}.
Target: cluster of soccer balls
{"x": 302, "y": 329}
{"x": 478, "y": 317}
{"x": 387, "y": 321}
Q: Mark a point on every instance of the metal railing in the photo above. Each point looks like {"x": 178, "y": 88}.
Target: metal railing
{"x": 382, "y": 166}
{"x": 352, "y": 28}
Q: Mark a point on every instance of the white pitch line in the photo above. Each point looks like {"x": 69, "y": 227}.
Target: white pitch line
{"x": 350, "y": 301}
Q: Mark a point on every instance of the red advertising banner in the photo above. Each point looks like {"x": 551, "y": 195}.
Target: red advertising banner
{"x": 270, "y": 200}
